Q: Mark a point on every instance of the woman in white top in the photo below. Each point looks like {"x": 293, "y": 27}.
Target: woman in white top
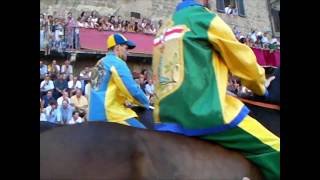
{"x": 42, "y": 112}
{"x": 81, "y": 23}
{"x": 75, "y": 118}
{"x": 94, "y": 19}
{"x": 87, "y": 88}
{"x": 73, "y": 84}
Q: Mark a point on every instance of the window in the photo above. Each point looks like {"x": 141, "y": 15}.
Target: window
{"x": 135, "y": 14}
{"x": 237, "y": 6}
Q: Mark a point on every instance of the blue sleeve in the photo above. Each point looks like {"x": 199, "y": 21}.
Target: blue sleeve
{"x": 131, "y": 85}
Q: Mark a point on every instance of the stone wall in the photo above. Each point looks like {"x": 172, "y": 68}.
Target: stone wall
{"x": 154, "y": 9}
{"x": 257, "y": 15}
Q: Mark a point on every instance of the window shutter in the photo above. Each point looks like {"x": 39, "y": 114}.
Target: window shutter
{"x": 220, "y": 6}
{"x": 241, "y": 8}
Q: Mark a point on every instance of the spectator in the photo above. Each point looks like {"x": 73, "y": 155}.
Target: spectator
{"x": 47, "y": 98}
{"x": 60, "y": 85}
{"x": 42, "y": 112}
{"x": 52, "y": 113}
{"x": 46, "y": 85}
{"x": 77, "y": 36}
{"x": 259, "y": 40}
{"x": 253, "y": 36}
{"x": 119, "y": 20}
{"x": 153, "y": 30}
{"x": 69, "y": 27}
{"x": 75, "y": 118}
{"x": 73, "y": 85}
{"x": 160, "y": 23}
{"x": 235, "y": 11}
{"x": 142, "y": 82}
{"x": 81, "y": 22}
{"x": 90, "y": 24}
{"x": 228, "y": 9}
{"x": 137, "y": 28}
{"x": 112, "y": 20}
{"x": 264, "y": 39}
{"x": 65, "y": 96}
{"x": 50, "y": 24}
{"x": 82, "y": 14}
{"x": 242, "y": 39}
{"x": 94, "y": 19}
{"x": 105, "y": 24}
{"x": 144, "y": 72}
{"x": 87, "y": 89}
{"x": 131, "y": 26}
{"x": 85, "y": 75}
{"x": 143, "y": 23}
{"x": 42, "y": 30}
{"x": 80, "y": 102}
{"x": 115, "y": 27}
{"x": 124, "y": 26}
{"x": 236, "y": 32}
{"x": 65, "y": 112}
{"x": 48, "y": 36}
{"x": 273, "y": 46}
{"x": 149, "y": 89}
{"x": 67, "y": 68}
{"x": 54, "y": 69}
{"x": 148, "y": 29}
{"x": 43, "y": 70}
{"x": 58, "y": 35}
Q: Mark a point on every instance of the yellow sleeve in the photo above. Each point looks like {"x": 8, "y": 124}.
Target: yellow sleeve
{"x": 238, "y": 57}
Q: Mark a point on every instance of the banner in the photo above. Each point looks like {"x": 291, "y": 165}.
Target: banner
{"x": 96, "y": 40}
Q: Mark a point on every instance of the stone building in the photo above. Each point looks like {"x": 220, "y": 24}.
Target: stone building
{"x": 262, "y": 15}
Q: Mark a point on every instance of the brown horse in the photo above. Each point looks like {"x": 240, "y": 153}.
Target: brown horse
{"x": 98, "y": 150}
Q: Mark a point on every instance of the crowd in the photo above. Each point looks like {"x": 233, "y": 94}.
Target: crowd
{"x": 64, "y": 95}
{"x": 235, "y": 87}
{"x": 257, "y": 39}
{"x": 59, "y": 33}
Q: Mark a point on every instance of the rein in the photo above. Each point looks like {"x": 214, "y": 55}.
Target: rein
{"x": 260, "y": 104}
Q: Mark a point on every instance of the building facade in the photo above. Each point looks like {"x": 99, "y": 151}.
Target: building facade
{"x": 261, "y": 15}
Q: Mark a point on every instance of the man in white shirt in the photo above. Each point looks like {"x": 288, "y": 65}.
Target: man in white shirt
{"x": 67, "y": 68}
{"x": 46, "y": 85}
{"x": 87, "y": 89}
{"x": 85, "y": 75}
{"x": 75, "y": 118}
{"x": 43, "y": 70}
{"x": 74, "y": 84}
{"x": 65, "y": 96}
{"x": 149, "y": 89}
{"x": 265, "y": 40}
{"x": 65, "y": 112}
{"x": 52, "y": 113}
{"x": 253, "y": 36}
{"x": 228, "y": 9}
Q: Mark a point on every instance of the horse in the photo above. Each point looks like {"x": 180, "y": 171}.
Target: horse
{"x": 91, "y": 149}
{"x": 45, "y": 125}
{"x": 100, "y": 150}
